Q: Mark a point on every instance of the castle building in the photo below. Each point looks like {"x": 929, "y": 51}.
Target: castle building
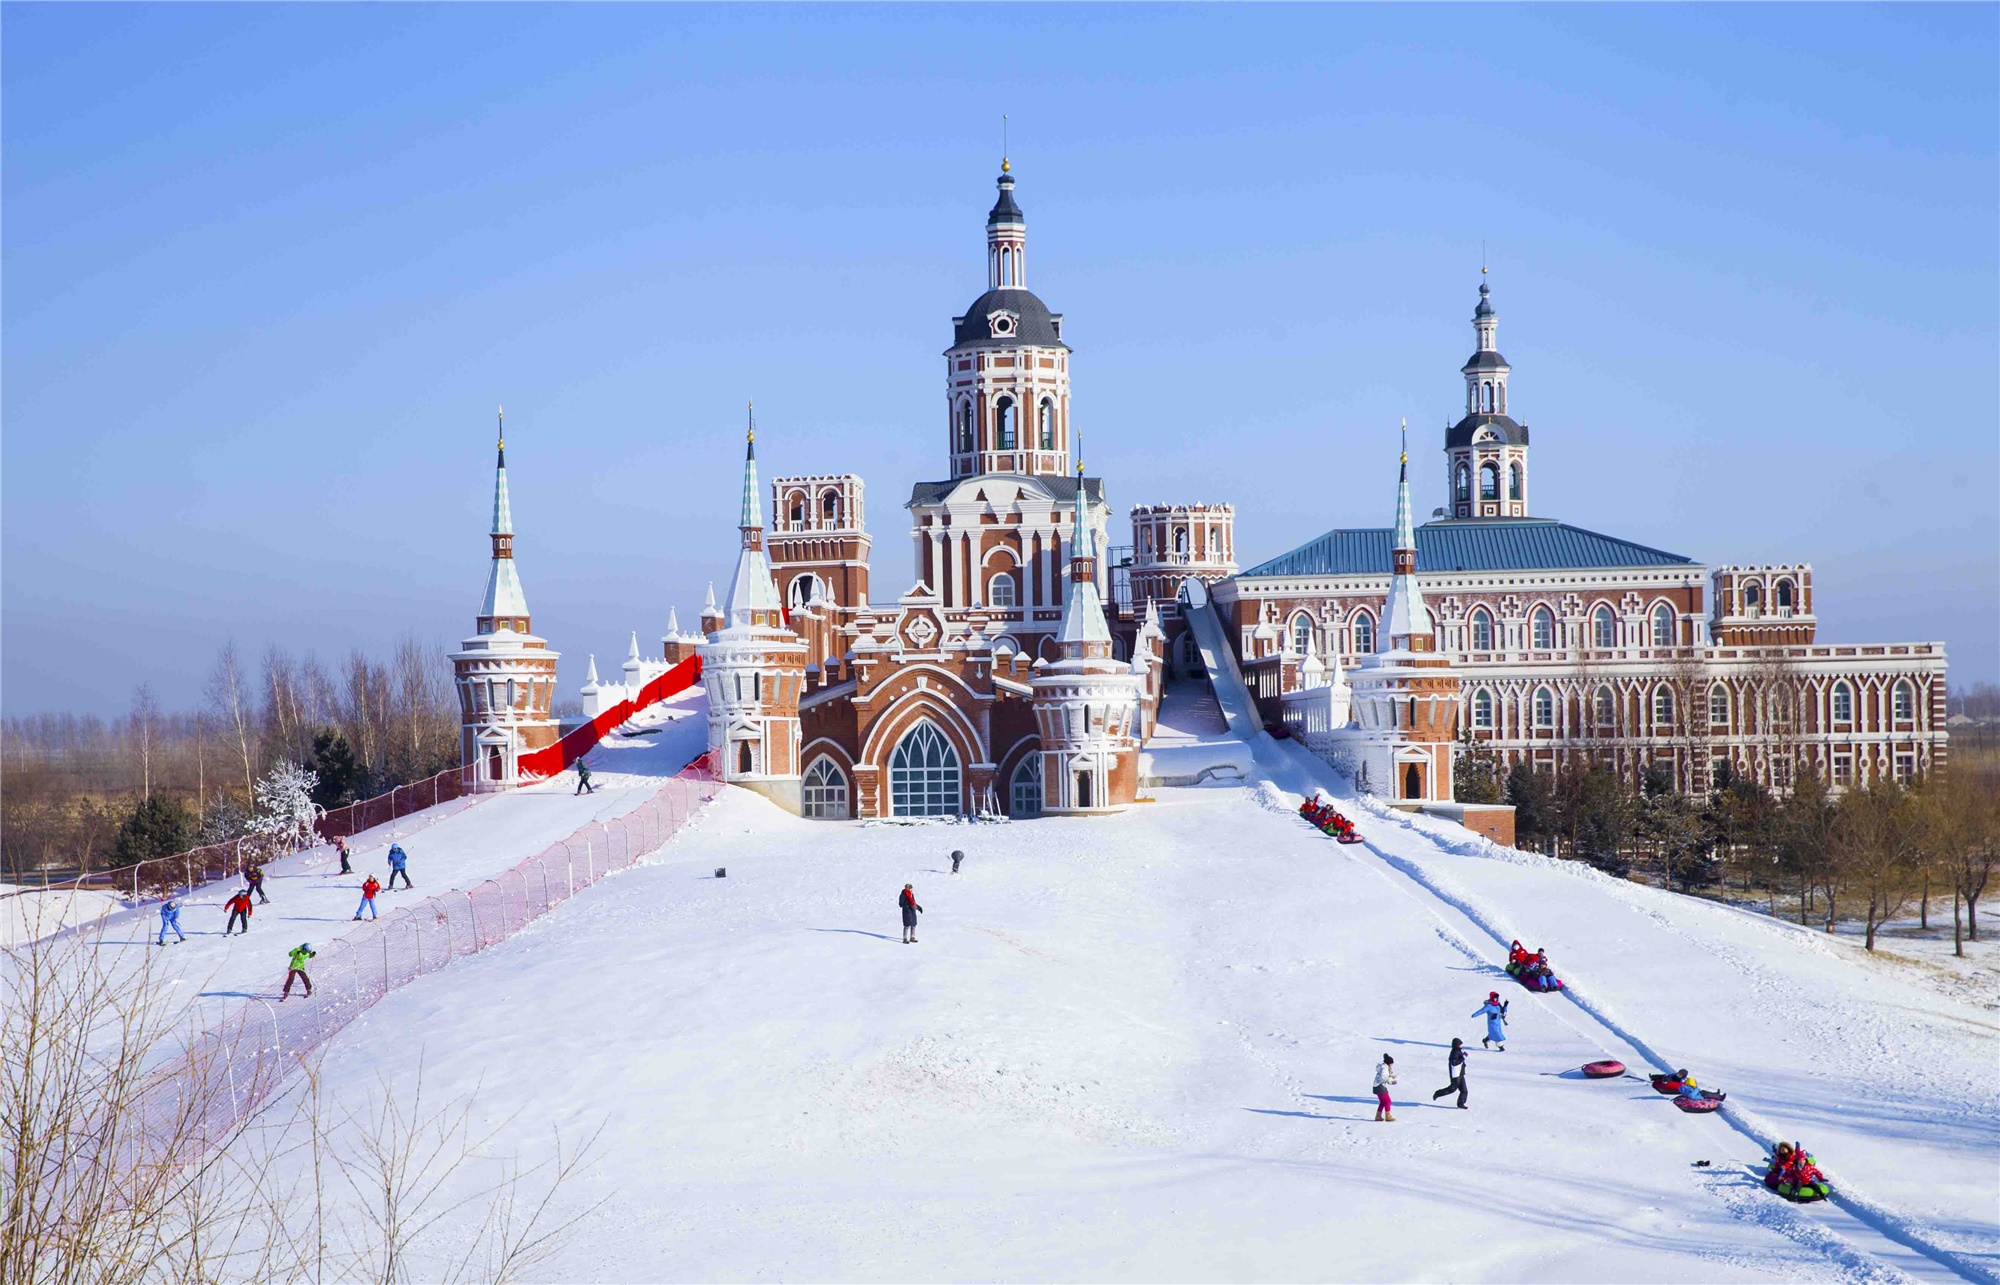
{"x": 1570, "y": 644}
{"x": 504, "y": 675}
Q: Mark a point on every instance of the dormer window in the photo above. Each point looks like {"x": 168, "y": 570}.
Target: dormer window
{"x": 1003, "y": 324}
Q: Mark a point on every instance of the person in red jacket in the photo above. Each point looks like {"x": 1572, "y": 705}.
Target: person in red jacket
{"x": 239, "y": 910}
{"x": 368, "y": 890}
{"x": 908, "y": 902}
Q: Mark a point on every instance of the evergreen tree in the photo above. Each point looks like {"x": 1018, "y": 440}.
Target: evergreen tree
{"x": 1676, "y": 829}
{"x": 1603, "y": 813}
{"x": 1476, "y": 775}
{"x": 158, "y": 827}
{"x": 1532, "y": 793}
{"x": 333, "y": 762}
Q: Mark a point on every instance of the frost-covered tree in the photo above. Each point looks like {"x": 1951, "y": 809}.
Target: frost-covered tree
{"x": 223, "y": 821}
{"x": 285, "y": 807}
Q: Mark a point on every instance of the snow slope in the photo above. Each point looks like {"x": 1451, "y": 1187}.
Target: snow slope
{"x": 1139, "y": 1048}
{"x": 475, "y": 840}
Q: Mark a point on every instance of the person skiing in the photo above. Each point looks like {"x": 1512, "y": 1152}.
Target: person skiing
{"x": 253, "y": 875}
{"x": 583, "y": 785}
{"x": 398, "y": 865}
{"x": 170, "y": 917}
{"x": 956, "y": 857}
{"x": 908, "y": 901}
{"x": 368, "y": 890}
{"x": 297, "y": 968}
{"x": 340, "y": 846}
{"x": 239, "y": 910}
{"x": 1385, "y": 1075}
{"x": 1454, "y": 1066}
{"x": 1495, "y": 1014}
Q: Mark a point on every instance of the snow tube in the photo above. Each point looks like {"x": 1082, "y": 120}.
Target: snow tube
{"x": 1349, "y": 837}
{"x": 1665, "y": 1083}
{"x": 1603, "y": 1070}
{"x": 1799, "y": 1193}
{"x": 1698, "y": 1106}
{"x": 1540, "y": 986}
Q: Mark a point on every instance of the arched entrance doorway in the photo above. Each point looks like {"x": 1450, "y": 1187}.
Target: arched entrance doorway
{"x": 1413, "y": 782}
{"x": 924, "y": 774}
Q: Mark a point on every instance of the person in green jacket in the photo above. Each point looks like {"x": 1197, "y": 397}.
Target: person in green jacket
{"x": 300, "y": 954}
{"x": 583, "y": 785}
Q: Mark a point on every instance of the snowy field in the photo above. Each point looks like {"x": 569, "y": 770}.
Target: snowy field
{"x": 476, "y": 839}
{"x": 1140, "y": 1048}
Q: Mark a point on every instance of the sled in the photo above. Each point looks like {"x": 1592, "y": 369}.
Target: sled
{"x": 1668, "y": 1084}
{"x": 1541, "y": 987}
{"x": 1698, "y": 1106}
{"x": 1349, "y": 837}
{"x": 1604, "y": 1070}
{"x": 1799, "y": 1193}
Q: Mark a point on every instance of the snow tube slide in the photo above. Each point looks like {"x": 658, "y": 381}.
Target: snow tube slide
{"x": 1797, "y": 1193}
{"x": 1698, "y": 1106}
{"x": 1603, "y": 1070}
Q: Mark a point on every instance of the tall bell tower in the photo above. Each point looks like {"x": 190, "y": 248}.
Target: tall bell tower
{"x": 1007, "y": 370}
{"x": 1486, "y": 452}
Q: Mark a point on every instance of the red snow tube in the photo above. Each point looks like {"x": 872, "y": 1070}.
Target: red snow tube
{"x": 1603, "y": 1070}
{"x": 1666, "y": 1083}
{"x": 1698, "y": 1106}
{"x": 1349, "y": 837}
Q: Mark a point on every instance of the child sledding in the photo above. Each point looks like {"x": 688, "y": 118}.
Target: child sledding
{"x": 1794, "y": 1176}
{"x": 1687, "y": 1093}
{"x": 1328, "y": 820}
{"x": 1531, "y": 969}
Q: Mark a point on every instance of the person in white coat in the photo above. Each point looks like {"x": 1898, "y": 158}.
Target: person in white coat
{"x": 1385, "y": 1075}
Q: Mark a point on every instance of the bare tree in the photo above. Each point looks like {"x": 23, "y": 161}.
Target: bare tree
{"x": 1876, "y": 832}
{"x": 144, "y": 727}
{"x": 230, "y": 704}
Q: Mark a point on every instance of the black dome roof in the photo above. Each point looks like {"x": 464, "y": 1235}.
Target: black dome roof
{"x": 1034, "y": 323}
{"x": 1508, "y": 431}
{"x": 1486, "y": 359}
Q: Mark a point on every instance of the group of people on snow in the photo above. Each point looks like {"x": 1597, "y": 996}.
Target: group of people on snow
{"x": 1531, "y": 968}
{"x": 1324, "y": 816}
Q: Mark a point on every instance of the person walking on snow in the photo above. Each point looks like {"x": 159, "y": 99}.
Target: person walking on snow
{"x": 908, "y": 901}
{"x": 300, "y": 954}
{"x": 170, "y": 917}
{"x": 368, "y": 890}
{"x": 1455, "y": 1067}
{"x": 398, "y": 865}
{"x": 1495, "y": 1014}
{"x": 340, "y": 846}
{"x": 239, "y": 910}
{"x": 583, "y": 785}
{"x": 254, "y": 876}
{"x": 956, "y": 857}
{"x": 1385, "y": 1075}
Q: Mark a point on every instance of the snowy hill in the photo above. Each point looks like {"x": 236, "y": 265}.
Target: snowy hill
{"x": 1140, "y": 1048}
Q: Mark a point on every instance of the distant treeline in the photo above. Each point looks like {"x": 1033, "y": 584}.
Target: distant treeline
{"x": 85, "y": 793}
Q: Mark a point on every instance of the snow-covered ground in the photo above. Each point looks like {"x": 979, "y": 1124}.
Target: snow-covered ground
{"x": 1139, "y": 1048}
{"x": 28, "y": 913}
{"x": 475, "y": 840}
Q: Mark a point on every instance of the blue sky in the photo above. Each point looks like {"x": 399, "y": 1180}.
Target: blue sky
{"x": 268, "y": 271}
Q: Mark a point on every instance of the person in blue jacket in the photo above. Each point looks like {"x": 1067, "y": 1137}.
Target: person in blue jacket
{"x": 170, "y": 917}
{"x": 398, "y": 862}
{"x": 1495, "y": 1014}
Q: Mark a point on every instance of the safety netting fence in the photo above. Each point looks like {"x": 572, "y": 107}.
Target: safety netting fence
{"x": 233, "y": 1067}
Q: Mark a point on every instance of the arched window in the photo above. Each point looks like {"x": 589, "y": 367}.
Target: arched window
{"x": 1482, "y": 708}
{"x": 829, "y": 507}
{"x": 1718, "y": 706}
{"x": 1464, "y": 485}
{"x": 798, "y": 510}
{"x": 1364, "y": 633}
{"x": 1753, "y": 598}
{"x": 1302, "y": 634}
{"x": 1605, "y": 706}
{"x": 1482, "y": 631}
{"x": 1603, "y": 627}
{"x": 1663, "y": 707}
{"x": 1545, "y": 707}
{"x": 1048, "y": 425}
{"x": 1542, "y": 629}
{"x": 1000, "y": 590}
{"x": 825, "y": 791}
{"x": 1489, "y": 481}
{"x": 1003, "y": 418}
{"x": 965, "y": 426}
{"x": 1843, "y": 703}
{"x": 1486, "y": 396}
{"x": 924, "y": 774}
{"x": 1903, "y": 702}
{"x": 1024, "y": 788}
{"x": 801, "y": 591}
{"x": 1180, "y": 541}
{"x": 1784, "y": 595}
{"x": 1663, "y": 626}
{"x": 1514, "y": 482}
{"x": 746, "y": 759}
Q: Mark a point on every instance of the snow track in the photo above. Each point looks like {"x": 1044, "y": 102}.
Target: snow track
{"x": 1891, "y": 1245}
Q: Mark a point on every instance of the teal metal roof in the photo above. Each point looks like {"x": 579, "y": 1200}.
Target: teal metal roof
{"x": 1523, "y": 544}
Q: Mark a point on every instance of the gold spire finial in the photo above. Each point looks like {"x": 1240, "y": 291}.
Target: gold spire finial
{"x": 503, "y": 427}
{"x": 750, "y": 408}
{"x": 1004, "y": 166}
{"x": 1406, "y": 440}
